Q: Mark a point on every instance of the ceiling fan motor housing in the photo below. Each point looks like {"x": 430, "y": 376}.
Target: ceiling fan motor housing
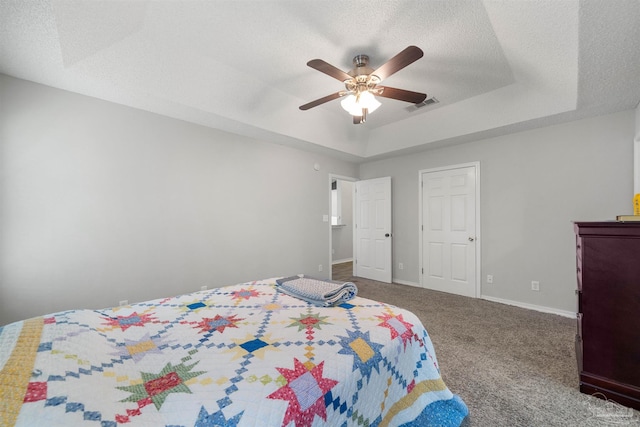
{"x": 361, "y": 60}
{"x": 361, "y": 63}
{"x": 362, "y": 77}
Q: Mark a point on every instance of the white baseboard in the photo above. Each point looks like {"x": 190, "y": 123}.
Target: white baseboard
{"x": 541, "y": 308}
{"x": 340, "y": 261}
{"x": 406, "y": 282}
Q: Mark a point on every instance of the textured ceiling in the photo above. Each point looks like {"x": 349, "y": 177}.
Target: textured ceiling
{"x": 494, "y": 66}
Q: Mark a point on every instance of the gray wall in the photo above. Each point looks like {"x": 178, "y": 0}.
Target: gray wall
{"x": 101, "y": 203}
{"x": 533, "y": 185}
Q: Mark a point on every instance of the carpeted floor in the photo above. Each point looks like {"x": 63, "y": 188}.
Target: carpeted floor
{"x": 511, "y": 366}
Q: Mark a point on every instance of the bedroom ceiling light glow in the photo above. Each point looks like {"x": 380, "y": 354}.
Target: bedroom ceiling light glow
{"x": 354, "y": 104}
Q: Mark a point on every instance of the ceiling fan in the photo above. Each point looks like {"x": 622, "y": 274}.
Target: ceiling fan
{"x": 362, "y": 83}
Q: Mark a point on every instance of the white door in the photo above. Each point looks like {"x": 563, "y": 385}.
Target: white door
{"x": 373, "y": 229}
{"x": 449, "y": 230}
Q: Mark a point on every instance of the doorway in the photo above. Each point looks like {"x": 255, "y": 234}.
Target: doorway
{"x": 369, "y": 230}
{"x": 450, "y": 229}
{"x": 342, "y": 224}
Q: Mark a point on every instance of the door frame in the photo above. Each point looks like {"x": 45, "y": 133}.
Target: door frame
{"x": 333, "y": 176}
{"x": 476, "y": 165}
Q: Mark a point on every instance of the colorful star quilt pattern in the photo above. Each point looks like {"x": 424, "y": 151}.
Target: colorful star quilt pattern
{"x": 243, "y": 355}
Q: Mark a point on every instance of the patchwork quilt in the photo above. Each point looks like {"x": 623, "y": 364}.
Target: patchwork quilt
{"x": 243, "y": 355}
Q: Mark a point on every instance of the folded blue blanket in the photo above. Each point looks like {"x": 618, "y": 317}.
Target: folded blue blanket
{"x": 323, "y": 293}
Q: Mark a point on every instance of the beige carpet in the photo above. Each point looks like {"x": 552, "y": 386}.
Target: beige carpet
{"x": 511, "y": 366}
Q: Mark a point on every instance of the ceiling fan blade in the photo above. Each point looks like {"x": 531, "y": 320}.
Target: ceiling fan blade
{"x": 398, "y": 62}
{"x": 400, "y": 94}
{"x": 328, "y": 69}
{"x": 321, "y": 100}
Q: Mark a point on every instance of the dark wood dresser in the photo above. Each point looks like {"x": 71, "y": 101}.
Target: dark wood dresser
{"x": 608, "y": 338}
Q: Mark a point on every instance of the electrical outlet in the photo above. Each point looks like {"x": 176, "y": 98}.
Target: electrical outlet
{"x": 203, "y": 288}
{"x": 535, "y": 285}
{"x": 401, "y": 266}
{"x": 124, "y": 302}
{"x": 489, "y": 278}
{"x": 320, "y": 267}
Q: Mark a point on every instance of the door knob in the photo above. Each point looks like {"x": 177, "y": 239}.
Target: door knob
{"x": 471, "y": 239}
{"x": 387, "y": 235}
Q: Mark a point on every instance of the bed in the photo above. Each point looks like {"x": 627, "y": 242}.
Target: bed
{"x": 242, "y": 355}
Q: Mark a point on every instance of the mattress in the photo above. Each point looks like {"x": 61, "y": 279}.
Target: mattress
{"x": 241, "y": 355}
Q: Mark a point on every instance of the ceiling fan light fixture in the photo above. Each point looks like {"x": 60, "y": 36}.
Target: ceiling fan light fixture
{"x": 354, "y": 104}
{"x": 361, "y": 83}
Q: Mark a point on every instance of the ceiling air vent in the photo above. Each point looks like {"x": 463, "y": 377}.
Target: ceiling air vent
{"x": 428, "y": 101}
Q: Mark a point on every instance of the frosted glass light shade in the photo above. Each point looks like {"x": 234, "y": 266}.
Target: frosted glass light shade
{"x": 367, "y": 100}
